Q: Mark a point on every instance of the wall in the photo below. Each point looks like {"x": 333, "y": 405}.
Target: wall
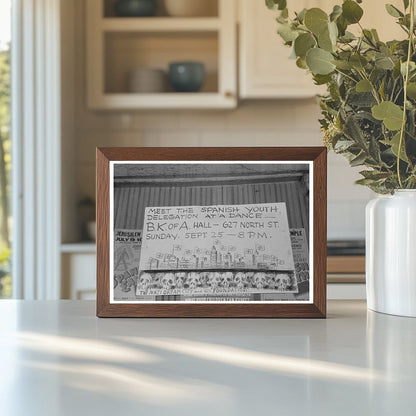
{"x": 135, "y": 198}
{"x": 254, "y": 123}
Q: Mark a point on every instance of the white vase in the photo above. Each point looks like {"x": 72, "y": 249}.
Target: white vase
{"x": 391, "y": 253}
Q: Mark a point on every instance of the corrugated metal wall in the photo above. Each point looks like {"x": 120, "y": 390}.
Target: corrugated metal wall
{"x": 130, "y": 202}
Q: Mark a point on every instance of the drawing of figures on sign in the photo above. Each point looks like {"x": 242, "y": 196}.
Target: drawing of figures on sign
{"x": 222, "y": 250}
{"x": 127, "y": 248}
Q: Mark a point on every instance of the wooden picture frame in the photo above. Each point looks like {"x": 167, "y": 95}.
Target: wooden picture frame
{"x": 259, "y": 272}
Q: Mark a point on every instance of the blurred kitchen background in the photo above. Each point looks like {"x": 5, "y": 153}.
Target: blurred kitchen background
{"x": 119, "y": 89}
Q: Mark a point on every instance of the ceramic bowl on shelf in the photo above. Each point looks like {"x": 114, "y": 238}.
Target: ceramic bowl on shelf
{"x": 147, "y": 81}
{"x": 92, "y": 230}
{"x": 191, "y": 8}
{"x": 186, "y": 76}
{"x": 135, "y": 8}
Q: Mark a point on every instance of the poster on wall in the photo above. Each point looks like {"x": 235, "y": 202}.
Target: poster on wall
{"x": 300, "y": 254}
{"x": 214, "y": 235}
{"x": 216, "y": 252}
{"x": 127, "y": 248}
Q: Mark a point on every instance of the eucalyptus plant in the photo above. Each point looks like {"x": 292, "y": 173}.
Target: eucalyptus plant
{"x": 369, "y": 111}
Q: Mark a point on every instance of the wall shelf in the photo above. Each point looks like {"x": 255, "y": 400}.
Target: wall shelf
{"x": 116, "y": 46}
{"x": 346, "y": 269}
{"x": 160, "y": 24}
{"x": 168, "y": 100}
{"x": 81, "y": 247}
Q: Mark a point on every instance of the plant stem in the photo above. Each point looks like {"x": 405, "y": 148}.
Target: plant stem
{"x": 373, "y": 88}
{"x": 406, "y": 80}
{"x": 392, "y": 91}
{"x": 346, "y": 75}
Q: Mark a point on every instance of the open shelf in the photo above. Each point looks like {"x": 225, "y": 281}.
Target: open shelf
{"x": 119, "y": 45}
{"x": 168, "y": 100}
{"x": 126, "y": 51}
{"x": 160, "y": 24}
{"x": 210, "y": 9}
{"x": 85, "y": 247}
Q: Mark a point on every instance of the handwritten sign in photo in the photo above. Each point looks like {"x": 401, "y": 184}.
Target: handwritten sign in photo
{"x": 217, "y": 249}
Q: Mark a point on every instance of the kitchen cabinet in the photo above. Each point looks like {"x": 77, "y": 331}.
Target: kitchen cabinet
{"x": 118, "y": 45}
{"x": 265, "y": 69}
{"x": 346, "y": 277}
{"x": 78, "y": 264}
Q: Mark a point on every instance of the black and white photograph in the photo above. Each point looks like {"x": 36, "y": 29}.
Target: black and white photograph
{"x": 210, "y": 232}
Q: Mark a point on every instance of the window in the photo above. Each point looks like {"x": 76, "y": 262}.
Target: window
{"x": 5, "y": 147}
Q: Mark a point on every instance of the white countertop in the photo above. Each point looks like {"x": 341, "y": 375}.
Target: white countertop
{"x": 57, "y": 358}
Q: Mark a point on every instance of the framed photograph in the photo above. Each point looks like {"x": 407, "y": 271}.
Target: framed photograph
{"x": 211, "y": 232}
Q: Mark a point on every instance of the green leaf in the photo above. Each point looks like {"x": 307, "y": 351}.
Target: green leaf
{"x": 303, "y": 43}
{"x": 287, "y": 33}
{"x": 358, "y": 160}
{"x": 411, "y": 90}
{"x": 336, "y": 12}
{"x": 365, "y": 182}
{"x": 347, "y": 37}
{"x": 276, "y": 4}
{"x": 321, "y": 79}
{"x": 368, "y": 36}
{"x": 363, "y": 86}
{"x": 405, "y": 21}
{"x": 270, "y": 4}
{"x": 282, "y": 4}
{"x": 406, "y": 4}
{"x": 375, "y": 35}
{"x": 388, "y": 112}
{"x": 325, "y": 42}
{"x": 319, "y": 61}
{"x": 396, "y": 70}
{"x": 351, "y": 11}
{"x": 358, "y": 61}
{"x": 345, "y": 65}
{"x": 374, "y": 150}
{"x": 411, "y": 124}
{"x": 354, "y": 132}
{"x": 393, "y": 11}
{"x": 301, "y": 63}
{"x": 333, "y": 32}
{"x": 412, "y": 67}
{"x": 362, "y": 99}
{"x": 343, "y": 145}
{"x": 382, "y": 89}
{"x": 384, "y": 62}
{"x": 374, "y": 174}
{"x": 301, "y": 15}
{"x": 342, "y": 25}
{"x": 394, "y": 145}
{"x": 316, "y": 20}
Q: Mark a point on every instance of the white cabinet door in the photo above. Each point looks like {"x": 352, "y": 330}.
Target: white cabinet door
{"x": 78, "y": 276}
{"x": 265, "y": 68}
